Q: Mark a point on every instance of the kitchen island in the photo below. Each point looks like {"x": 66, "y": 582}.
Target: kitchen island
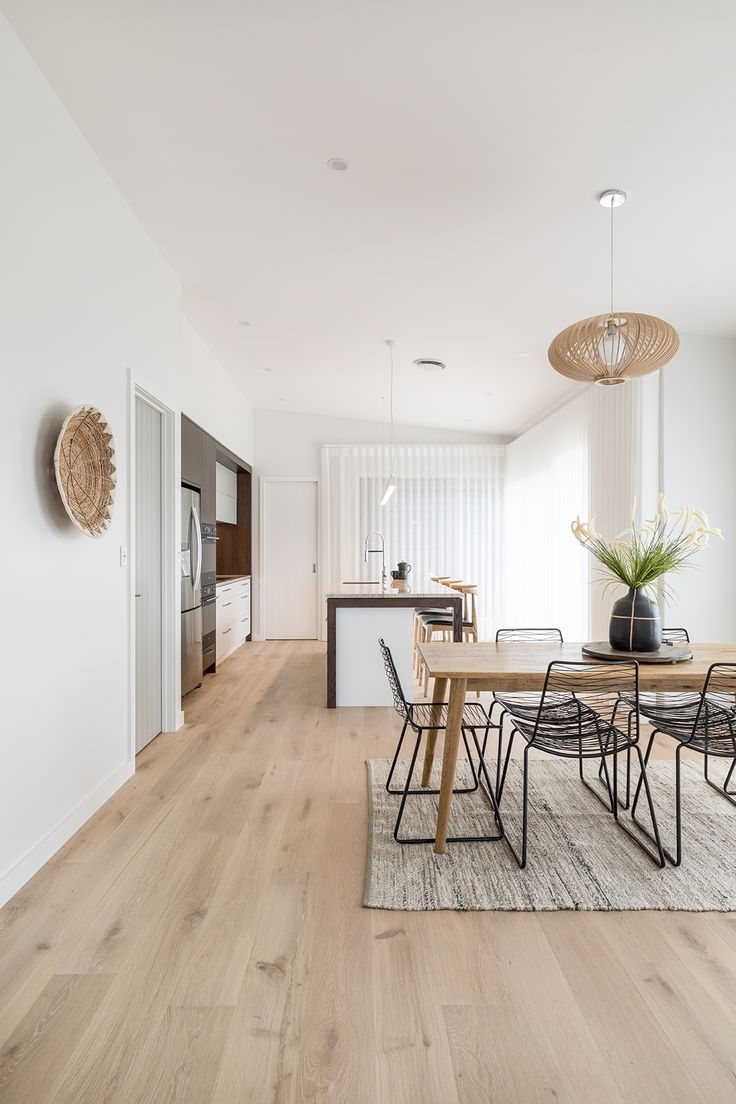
{"x": 356, "y": 618}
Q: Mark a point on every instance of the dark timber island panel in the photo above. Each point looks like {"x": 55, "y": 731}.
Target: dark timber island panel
{"x": 452, "y": 602}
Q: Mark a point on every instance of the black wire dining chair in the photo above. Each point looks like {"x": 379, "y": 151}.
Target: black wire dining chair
{"x": 671, "y": 637}
{"x": 675, "y": 636}
{"x": 703, "y": 722}
{"x": 529, "y": 636}
{"x": 524, "y": 703}
{"x": 587, "y": 711}
{"x": 424, "y": 717}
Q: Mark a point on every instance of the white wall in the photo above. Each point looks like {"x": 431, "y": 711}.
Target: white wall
{"x": 545, "y": 572}
{"x": 86, "y": 301}
{"x": 699, "y": 467}
{"x": 287, "y": 444}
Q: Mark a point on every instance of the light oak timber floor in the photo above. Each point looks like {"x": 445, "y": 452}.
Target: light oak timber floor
{"x": 202, "y": 939}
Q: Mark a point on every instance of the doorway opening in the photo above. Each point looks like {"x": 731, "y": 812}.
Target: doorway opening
{"x": 154, "y": 599}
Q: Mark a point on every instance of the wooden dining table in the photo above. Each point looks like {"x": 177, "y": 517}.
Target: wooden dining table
{"x": 516, "y": 666}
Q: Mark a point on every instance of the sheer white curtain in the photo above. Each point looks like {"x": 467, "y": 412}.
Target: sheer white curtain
{"x": 445, "y": 517}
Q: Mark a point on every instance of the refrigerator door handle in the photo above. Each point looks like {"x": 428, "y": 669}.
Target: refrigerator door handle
{"x": 198, "y": 531}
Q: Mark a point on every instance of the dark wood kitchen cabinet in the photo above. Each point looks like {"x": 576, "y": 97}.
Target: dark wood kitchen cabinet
{"x": 209, "y": 460}
{"x": 191, "y": 454}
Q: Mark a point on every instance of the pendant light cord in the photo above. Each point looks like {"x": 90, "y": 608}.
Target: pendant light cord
{"x": 611, "y": 259}
{"x": 390, "y": 344}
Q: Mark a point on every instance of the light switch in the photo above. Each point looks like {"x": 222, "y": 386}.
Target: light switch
{"x": 123, "y": 556}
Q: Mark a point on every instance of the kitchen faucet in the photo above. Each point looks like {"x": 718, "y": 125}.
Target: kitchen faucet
{"x": 382, "y": 550}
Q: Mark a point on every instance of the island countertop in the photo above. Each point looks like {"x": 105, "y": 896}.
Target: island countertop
{"x": 372, "y": 590}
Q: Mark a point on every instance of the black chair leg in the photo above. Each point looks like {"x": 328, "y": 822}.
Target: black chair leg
{"x": 407, "y": 792}
{"x": 613, "y": 804}
{"x": 675, "y": 859}
{"x": 521, "y": 856}
{"x": 723, "y": 790}
{"x": 501, "y": 780}
{"x": 395, "y": 759}
{"x": 421, "y": 789}
{"x": 487, "y": 788}
{"x": 601, "y": 774}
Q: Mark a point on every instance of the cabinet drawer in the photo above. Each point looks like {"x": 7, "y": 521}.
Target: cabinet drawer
{"x": 227, "y": 611}
{"x": 225, "y": 641}
{"x": 240, "y": 631}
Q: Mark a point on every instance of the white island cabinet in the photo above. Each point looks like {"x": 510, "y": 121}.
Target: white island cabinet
{"x": 233, "y": 614}
{"x": 355, "y": 621}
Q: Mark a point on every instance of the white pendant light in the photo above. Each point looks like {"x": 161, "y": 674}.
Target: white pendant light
{"x": 611, "y": 348}
{"x": 390, "y": 484}
{"x": 390, "y": 488}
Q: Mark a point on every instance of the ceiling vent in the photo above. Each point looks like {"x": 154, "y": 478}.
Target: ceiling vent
{"x": 430, "y": 365}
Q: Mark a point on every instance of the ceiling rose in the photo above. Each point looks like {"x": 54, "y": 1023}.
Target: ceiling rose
{"x": 611, "y": 348}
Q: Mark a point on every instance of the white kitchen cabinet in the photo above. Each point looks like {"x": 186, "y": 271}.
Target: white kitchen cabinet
{"x": 226, "y": 495}
{"x": 233, "y": 615}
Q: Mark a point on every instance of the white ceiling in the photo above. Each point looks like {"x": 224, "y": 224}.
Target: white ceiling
{"x": 478, "y": 133}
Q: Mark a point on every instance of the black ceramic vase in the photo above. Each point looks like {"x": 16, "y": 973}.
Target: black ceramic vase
{"x": 635, "y": 624}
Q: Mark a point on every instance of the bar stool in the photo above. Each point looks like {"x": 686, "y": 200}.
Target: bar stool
{"x": 421, "y": 617}
{"x": 445, "y": 622}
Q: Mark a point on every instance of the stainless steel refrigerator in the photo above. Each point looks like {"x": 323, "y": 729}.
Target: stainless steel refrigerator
{"x": 191, "y": 591}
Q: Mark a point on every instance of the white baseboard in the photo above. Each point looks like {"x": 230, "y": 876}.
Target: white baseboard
{"x": 16, "y": 876}
{"x": 179, "y": 719}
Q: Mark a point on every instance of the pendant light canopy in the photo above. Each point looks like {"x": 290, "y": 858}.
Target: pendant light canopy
{"x": 611, "y": 348}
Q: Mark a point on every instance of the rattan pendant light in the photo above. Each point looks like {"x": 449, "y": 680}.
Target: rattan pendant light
{"x": 611, "y": 348}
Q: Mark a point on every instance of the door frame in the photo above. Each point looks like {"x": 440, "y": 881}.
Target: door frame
{"x": 264, "y": 480}
{"x": 172, "y": 717}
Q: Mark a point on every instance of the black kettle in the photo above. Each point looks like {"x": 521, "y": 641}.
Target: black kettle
{"x": 404, "y": 569}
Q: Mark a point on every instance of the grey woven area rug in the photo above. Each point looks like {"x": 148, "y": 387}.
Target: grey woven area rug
{"x": 578, "y": 858}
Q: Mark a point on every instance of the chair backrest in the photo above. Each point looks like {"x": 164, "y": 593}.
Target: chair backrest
{"x": 401, "y": 705}
{"x": 720, "y": 685}
{"x": 610, "y": 690}
{"x": 529, "y": 636}
{"x": 469, "y": 592}
{"x": 675, "y": 636}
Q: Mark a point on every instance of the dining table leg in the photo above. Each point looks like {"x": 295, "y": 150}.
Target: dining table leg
{"x": 458, "y": 689}
{"x": 438, "y": 698}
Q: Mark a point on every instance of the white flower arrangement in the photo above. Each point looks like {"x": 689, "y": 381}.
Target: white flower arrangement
{"x": 662, "y": 544}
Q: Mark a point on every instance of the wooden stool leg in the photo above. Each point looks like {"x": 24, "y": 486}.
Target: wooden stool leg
{"x": 430, "y": 636}
{"x": 422, "y": 638}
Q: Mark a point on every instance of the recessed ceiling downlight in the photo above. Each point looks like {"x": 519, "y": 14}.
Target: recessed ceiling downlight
{"x": 429, "y": 365}
{"x": 339, "y": 164}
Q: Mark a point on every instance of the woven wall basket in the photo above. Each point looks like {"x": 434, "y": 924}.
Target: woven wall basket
{"x": 85, "y": 470}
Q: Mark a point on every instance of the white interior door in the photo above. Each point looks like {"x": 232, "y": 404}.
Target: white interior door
{"x": 148, "y": 564}
{"x": 290, "y": 559}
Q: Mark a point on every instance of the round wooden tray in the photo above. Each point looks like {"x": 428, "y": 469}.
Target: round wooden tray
{"x": 601, "y": 649}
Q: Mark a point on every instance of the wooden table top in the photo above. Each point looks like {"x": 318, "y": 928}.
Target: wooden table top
{"x": 490, "y": 666}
